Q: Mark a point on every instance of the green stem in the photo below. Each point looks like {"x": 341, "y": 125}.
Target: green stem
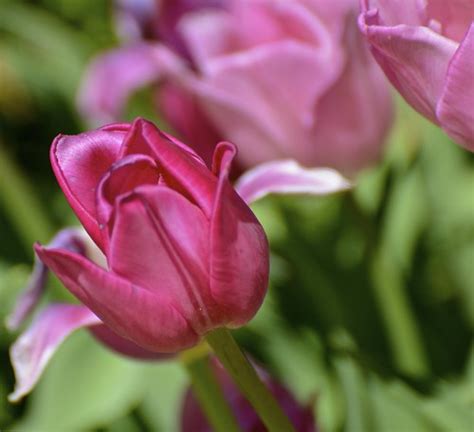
{"x": 21, "y": 203}
{"x": 246, "y": 378}
{"x": 208, "y": 391}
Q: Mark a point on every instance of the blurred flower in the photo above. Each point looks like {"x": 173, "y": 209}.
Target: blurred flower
{"x": 33, "y": 350}
{"x": 280, "y": 79}
{"x": 426, "y": 49}
{"x": 194, "y": 420}
{"x": 184, "y": 253}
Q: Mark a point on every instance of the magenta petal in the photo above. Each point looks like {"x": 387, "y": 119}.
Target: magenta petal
{"x": 69, "y": 239}
{"x": 288, "y": 177}
{"x": 32, "y": 351}
{"x": 456, "y": 106}
{"x": 415, "y": 60}
{"x": 160, "y": 242}
{"x": 180, "y": 167}
{"x": 148, "y": 319}
{"x": 239, "y": 249}
{"x": 124, "y": 346}
{"x": 79, "y": 162}
{"x": 125, "y": 175}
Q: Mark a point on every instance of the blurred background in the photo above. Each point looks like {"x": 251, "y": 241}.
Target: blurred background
{"x": 371, "y": 306}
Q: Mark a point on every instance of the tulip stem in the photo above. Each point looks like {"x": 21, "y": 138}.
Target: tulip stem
{"x": 207, "y": 390}
{"x": 249, "y": 383}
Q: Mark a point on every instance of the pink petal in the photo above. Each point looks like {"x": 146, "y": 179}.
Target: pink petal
{"x": 455, "y": 109}
{"x": 160, "y": 242}
{"x": 114, "y": 76}
{"x": 350, "y": 136}
{"x": 32, "y": 351}
{"x": 148, "y": 319}
{"x": 180, "y": 167}
{"x": 415, "y": 60}
{"x": 392, "y": 12}
{"x": 239, "y": 249}
{"x": 70, "y": 239}
{"x": 288, "y": 177}
{"x": 79, "y": 161}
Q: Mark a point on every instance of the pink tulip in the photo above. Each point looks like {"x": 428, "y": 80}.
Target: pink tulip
{"x": 427, "y": 51}
{"x": 280, "y": 79}
{"x": 185, "y": 254}
{"x": 194, "y": 420}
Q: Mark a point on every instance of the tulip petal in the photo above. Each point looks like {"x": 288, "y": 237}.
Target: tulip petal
{"x": 114, "y": 76}
{"x": 180, "y": 167}
{"x": 415, "y": 60}
{"x": 125, "y": 175}
{"x": 160, "y": 242}
{"x": 148, "y": 319}
{"x": 265, "y": 114}
{"x": 288, "y": 177}
{"x": 70, "y": 239}
{"x": 456, "y": 106}
{"x": 239, "y": 249}
{"x": 79, "y": 162}
{"x": 33, "y": 350}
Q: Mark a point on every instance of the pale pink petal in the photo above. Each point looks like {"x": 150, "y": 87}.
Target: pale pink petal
{"x": 455, "y": 109}
{"x": 33, "y": 350}
{"x": 113, "y": 77}
{"x": 70, "y": 239}
{"x": 79, "y": 162}
{"x": 415, "y": 60}
{"x": 146, "y": 318}
{"x": 239, "y": 249}
{"x": 288, "y": 177}
{"x": 392, "y": 12}
{"x": 160, "y": 241}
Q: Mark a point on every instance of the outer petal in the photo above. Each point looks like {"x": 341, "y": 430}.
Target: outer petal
{"x": 160, "y": 242}
{"x": 132, "y": 312}
{"x": 456, "y": 106}
{"x": 32, "y": 351}
{"x": 239, "y": 250}
{"x": 71, "y": 239}
{"x": 79, "y": 161}
{"x": 114, "y": 76}
{"x": 350, "y": 136}
{"x": 415, "y": 60}
{"x": 288, "y": 177}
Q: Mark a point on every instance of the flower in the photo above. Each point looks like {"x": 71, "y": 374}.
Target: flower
{"x": 185, "y": 254}
{"x": 426, "y": 49}
{"x": 194, "y": 420}
{"x": 279, "y": 79}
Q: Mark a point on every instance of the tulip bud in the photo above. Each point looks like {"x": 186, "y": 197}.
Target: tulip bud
{"x": 185, "y": 255}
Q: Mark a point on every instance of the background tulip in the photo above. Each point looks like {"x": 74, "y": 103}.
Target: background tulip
{"x": 279, "y": 79}
{"x": 177, "y": 237}
{"x": 193, "y": 419}
{"x": 427, "y": 51}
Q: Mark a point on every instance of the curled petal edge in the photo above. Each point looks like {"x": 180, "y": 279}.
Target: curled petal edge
{"x": 288, "y": 177}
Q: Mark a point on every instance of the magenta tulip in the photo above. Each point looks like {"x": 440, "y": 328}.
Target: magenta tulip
{"x": 427, "y": 51}
{"x": 194, "y": 420}
{"x": 185, "y": 255}
{"x": 279, "y": 79}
